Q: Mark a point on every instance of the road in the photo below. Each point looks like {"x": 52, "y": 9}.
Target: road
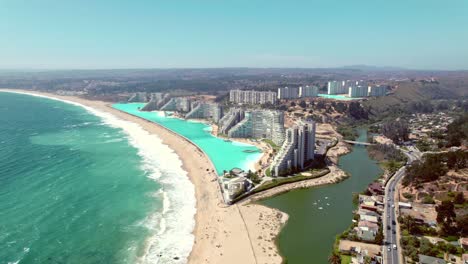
{"x": 391, "y": 256}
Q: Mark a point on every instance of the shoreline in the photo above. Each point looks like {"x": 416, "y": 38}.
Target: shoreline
{"x": 222, "y": 234}
{"x": 245, "y": 232}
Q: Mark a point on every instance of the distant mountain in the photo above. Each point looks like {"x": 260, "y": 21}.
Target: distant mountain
{"x": 373, "y": 68}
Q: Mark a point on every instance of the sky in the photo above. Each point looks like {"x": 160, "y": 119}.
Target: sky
{"x": 112, "y": 34}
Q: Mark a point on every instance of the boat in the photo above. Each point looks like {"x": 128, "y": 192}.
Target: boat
{"x": 227, "y": 140}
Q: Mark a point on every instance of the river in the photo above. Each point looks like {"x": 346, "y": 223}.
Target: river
{"x": 317, "y": 215}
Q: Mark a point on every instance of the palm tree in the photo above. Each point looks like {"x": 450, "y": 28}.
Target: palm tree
{"x": 334, "y": 258}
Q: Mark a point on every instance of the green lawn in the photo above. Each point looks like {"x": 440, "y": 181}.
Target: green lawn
{"x": 271, "y": 143}
{"x": 345, "y": 259}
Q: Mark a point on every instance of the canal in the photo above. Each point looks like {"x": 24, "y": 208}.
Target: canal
{"x": 317, "y": 215}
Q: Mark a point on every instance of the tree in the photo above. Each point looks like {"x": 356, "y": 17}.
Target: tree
{"x": 334, "y": 258}
{"x": 459, "y": 198}
{"x": 446, "y": 217}
{"x": 462, "y": 224}
{"x": 396, "y": 130}
{"x": 302, "y": 104}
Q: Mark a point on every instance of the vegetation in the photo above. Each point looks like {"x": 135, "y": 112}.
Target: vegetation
{"x": 348, "y": 132}
{"x": 272, "y": 144}
{"x": 457, "y": 131}
{"x": 397, "y": 131}
{"x": 434, "y": 166}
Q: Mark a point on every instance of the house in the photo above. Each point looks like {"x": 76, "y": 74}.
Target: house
{"x": 423, "y": 259}
{"x": 233, "y": 187}
{"x": 369, "y": 218}
{"x": 366, "y": 233}
{"x": 368, "y": 224}
{"x": 465, "y": 258}
{"x": 463, "y": 242}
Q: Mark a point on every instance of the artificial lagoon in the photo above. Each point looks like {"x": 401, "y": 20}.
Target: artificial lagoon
{"x": 225, "y": 155}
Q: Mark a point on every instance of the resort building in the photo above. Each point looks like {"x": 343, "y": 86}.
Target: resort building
{"x": 258, "y": 124}
{"x": 308, "y": 91}
{"x": 230, "y": 119}
{"x": 181, "y": 104}
{"x": 138, "y": 98}
{"x": 288, "y": 93}
{"x": 377, "y": 90}
{"x": 252, "y": 97}
{"x": 297, "y": 149}
{"x": 336, "y": 87}
{"x": 204, "y": 110}
{"x": 235, "y": 183}
{"x": 157, "y": 100}
{"x": 358, "y": 91}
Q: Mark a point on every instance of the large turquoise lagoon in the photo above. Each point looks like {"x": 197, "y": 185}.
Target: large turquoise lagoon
{"x": 225, "y": 155}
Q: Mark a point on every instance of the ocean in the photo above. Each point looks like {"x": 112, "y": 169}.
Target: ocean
{"x": 80, "y": 186}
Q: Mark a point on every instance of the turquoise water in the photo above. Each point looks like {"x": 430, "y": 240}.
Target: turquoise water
{"x": 76, "y": 190}
{"x": 337, "y": 97}
{"x": 224, "y": 155}
{"x": 318, "y": 214}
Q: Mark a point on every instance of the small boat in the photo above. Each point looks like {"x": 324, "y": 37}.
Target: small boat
{"x": 250, "y": 151}
{"x": 227, "y": 140}
{"x": 320, "y": 208}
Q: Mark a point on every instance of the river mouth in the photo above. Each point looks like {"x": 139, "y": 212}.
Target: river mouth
{"x": 317, "y": 215}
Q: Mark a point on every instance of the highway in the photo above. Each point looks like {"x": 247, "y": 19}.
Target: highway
{"x": 391, "y": 250}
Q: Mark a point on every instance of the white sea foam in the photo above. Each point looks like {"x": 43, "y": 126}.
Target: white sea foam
{"x": 172, "y": 227}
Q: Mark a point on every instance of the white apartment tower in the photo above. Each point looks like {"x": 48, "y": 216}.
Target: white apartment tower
{"x": 297, "y": 149}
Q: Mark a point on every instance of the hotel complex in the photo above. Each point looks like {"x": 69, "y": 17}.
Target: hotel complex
{"x": 358, "y": 91}
{"x": 297, "y": 149}
{"x": 268, "y": 124}
{"x": 157, "y": 100}
{"x": 288, "y": 93}
{"x": 377, "y": 90}
{"x": 212, "y": 111}
{"x": 308, "y": 91}
{"x": 252, "y": 97}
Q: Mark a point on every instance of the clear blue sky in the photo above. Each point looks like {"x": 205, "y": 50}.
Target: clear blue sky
{"x": 421, "y": 34}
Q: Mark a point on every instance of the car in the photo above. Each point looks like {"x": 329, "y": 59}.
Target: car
{"x": 388, "y": 199}
{"x": 393, "y": 206}
{"x": 388, "y": 227}
{"x": 393, "y": 232}
{"x": 393, "y": 222}
{"x": 389, "y": 248}
{"x": 394, "y": 246}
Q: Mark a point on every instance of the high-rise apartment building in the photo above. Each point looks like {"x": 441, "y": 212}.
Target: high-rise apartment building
{"x": 308, "y": 91}
{"x": 230, "y": 119}
{"x": 336, "y": 87}
{"x": 252, "y": 97}
{"x": 157, "y": 100}
{"x": 358, "y": 91}
{"x": 205, "y": 110}
{"x": 297, "y": 149}
{"x": 260, "y": 124}
{"x": 377, "y": 90}
{"x": 288, "y": 93}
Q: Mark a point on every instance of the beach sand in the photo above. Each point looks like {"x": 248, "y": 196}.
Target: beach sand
{"x": 242, "y": 233}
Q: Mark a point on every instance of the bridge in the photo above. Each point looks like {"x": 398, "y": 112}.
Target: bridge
{"x": 358, "y": 143}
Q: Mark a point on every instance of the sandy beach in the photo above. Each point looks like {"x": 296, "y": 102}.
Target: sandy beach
{"x": 242, "y": 233}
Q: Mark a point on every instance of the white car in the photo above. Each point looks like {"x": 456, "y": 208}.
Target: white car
{"x": 394, "y": 246}
{"x": 389, "y": 248}
{"x": 393, "y": 206}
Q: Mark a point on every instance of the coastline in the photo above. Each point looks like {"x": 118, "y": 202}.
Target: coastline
{"x": 243, "y": 233}
{"x": 235, "y": 234}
